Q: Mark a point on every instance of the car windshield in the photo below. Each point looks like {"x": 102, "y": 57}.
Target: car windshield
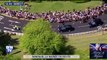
{"x": 67, "y": 26}
{"x": 63, "y": 28}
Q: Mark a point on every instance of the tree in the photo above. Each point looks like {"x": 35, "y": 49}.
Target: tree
{"x": 39, "y": 39}
{"x": 4, "y": 40}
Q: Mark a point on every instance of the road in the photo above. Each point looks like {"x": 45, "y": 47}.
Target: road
{"x": 7, "y": 23}
{"x": 81, "y": 27}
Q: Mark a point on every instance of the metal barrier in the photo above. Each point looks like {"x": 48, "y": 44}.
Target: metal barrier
{"x": 74, "y": 34}
{"x": 88, "y": 32}
{"x": 82, "y": 33}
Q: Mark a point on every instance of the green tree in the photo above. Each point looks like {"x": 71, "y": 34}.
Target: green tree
{"x": 39, "y": 39}
{"x": 4, "y": 40}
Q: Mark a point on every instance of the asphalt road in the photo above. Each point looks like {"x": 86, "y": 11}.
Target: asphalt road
{"x": 81, "y": 27}
{"x": 7, "y": 23}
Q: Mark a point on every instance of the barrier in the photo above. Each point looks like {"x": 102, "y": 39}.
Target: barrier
{"x": 74, "y": 34}
{"x": 88, "y": 32}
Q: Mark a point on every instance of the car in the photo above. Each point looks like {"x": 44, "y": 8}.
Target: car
{"x": 65, "y": 28}
{"x": 98, "y": 21}
{"x": 95, "y": 22}
{"x": 92, "y": 24}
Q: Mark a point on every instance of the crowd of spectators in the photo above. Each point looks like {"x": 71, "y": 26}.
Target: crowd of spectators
{"x": 57, "y": 16}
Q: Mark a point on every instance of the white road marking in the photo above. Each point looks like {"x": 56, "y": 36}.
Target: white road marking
{"x": 13, "y": 21}
{"x": 83, "y": 26}
{"x": 1, "y": 18}
{"x": 11, "y": 25}
{"x": 9, "y": 28}
{"x": 1, "y": 23}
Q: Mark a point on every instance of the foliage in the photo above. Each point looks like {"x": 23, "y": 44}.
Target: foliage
{"x": 4, "y": 40}
{"x": 39, "y": 39}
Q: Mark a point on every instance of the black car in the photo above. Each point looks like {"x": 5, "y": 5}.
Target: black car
{"x": 96, "y": 22}
{"x": 99, "y": 21}
{"x": 65, "y": 28}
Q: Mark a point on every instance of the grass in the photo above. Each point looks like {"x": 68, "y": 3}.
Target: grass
{"x": 81, "y": 43}
{"x": 56, "y": 6}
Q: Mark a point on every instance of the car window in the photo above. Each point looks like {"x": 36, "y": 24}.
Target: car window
{"x": 63, "y": 28}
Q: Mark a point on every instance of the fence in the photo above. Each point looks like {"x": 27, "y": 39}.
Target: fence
{"x": 88, "y": 32}
{"x": 74, "y": 34}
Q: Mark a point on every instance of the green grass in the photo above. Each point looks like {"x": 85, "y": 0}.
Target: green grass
{"x": 81, "y": 43}
{"x": 56, "y": 6}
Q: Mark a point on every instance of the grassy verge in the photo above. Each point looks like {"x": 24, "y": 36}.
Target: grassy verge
{"x": 81, "y": 43}
{"x": 56, "y": 6}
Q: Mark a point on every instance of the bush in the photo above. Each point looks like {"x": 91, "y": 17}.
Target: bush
{"x": 39, "y": 39}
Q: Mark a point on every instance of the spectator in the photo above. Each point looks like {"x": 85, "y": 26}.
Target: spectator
{"x": 58, "y": 16}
